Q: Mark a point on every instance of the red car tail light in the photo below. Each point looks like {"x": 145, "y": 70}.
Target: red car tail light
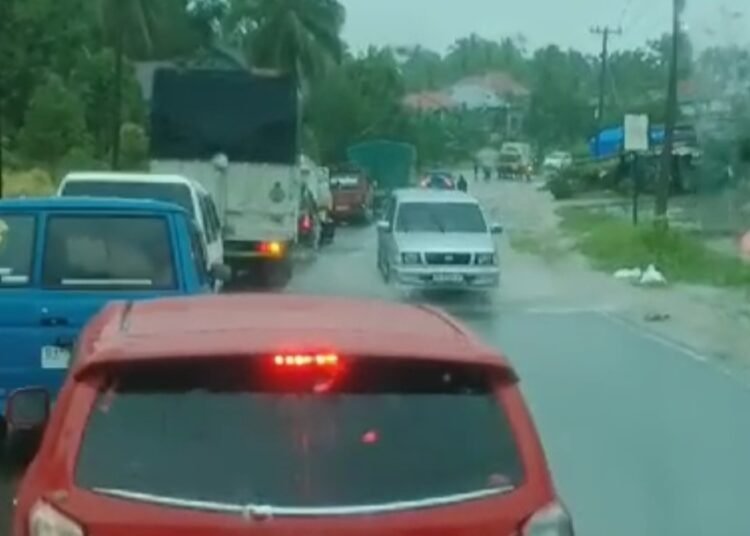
{"x": 552, "y": 520}
{"x": 318, "y": 361}
{"x": 45, "y": 520}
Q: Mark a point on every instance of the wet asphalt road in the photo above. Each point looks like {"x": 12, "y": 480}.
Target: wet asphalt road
{"x": 643, "y": 439}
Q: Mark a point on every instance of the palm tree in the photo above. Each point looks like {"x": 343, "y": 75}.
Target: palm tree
{"x": 142, "y": 29}
{"x": 295, "y": 36}
{"x": 128, "y": 25}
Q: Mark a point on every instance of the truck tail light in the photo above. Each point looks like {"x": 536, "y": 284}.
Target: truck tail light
{"x": 274, "y": 249}
{"x": 44, "y": 520}
{"x": 552, "y": 520}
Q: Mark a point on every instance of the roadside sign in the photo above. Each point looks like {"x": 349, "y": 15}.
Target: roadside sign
{"x": 636, "y": 133}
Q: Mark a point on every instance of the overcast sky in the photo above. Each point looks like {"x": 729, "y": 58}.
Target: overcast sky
{"x": 437, "y": 23}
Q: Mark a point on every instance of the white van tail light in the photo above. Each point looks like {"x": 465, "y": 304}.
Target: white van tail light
{"x": 552, "y": 520}
{"x": 44, "y": 520}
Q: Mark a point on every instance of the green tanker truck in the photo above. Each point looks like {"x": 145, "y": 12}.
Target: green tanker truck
{"x": 388, "y": 164}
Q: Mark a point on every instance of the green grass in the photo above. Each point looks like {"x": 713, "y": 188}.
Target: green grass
{"x": 610, "y": 244}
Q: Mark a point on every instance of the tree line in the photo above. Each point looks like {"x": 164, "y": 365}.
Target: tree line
{"x": 69, "y": 96}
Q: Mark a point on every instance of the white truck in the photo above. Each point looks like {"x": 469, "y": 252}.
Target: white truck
{"x": 237, "y": 134}
{"x": 515, "y": 161}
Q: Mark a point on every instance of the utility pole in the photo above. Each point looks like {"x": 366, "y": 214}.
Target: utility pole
{"x": 667, "y": 158}
{"x": 2, "y": 118}
{"x": 605, "y": 32}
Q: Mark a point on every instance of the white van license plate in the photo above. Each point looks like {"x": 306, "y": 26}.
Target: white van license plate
{"x": 55, "y": 358}
{"x": 448, "y": 278}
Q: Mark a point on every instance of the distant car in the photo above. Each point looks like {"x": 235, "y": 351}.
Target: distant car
{"x": 62, "y": 259}
{"x": 437, "y": 239}
{"x": 397, "y": 421}
{"x": 557, "y": 161}
{"x": 439, "y": 180}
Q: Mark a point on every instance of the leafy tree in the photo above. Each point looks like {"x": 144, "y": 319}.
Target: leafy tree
{"x": 128, "y": 26}
{"x": 297, "y": 36}
{"x": 54, "y": 123}
{"x": 34, "y": 44}
{"x": 561, "y": 112}
{"x": 141, "y": 29}
{"x": 422, "y": 68}
{"x": 475, "y": 55}
{"x": 92, "y": 79}
{"x": 359, "y": 100}
{"x": 661, "y": 50}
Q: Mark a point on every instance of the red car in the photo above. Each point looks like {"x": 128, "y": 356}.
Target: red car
{"x": 283, "y": 415}
{"x": 352, "y": 197}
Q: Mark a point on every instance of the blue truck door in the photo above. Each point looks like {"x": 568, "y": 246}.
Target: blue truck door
{"x": 65, "y": 311}
{"x": 19, "y": 301}
{"x": 39, "y": 325}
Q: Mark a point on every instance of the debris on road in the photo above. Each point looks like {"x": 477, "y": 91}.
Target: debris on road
{"x": 629, "y": 274}
{"x": 656, "y": 317}
{"x": 653, "y": 277}
{"x": 648, "y": 277}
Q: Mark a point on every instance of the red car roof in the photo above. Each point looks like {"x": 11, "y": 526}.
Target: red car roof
{"x": 252, "y": 324}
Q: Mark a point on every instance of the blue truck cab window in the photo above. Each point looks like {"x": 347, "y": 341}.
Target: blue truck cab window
{"x": 16, "y": 249}
{"x": 108, "y": 251}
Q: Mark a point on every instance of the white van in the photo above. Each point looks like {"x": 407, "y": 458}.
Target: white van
{"x": 187, "y": 193}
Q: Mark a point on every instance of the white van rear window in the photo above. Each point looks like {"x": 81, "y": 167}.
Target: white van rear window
{"x": 176, "y": 193}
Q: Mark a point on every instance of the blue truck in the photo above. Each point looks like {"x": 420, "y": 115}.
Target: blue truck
{"x": 63, "y": 259}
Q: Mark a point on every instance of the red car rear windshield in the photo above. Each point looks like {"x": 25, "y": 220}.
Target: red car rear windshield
{"x": 238, "y": 434}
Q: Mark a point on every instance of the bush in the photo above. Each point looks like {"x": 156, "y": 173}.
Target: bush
{"x": 10, "y": 159}
{"x": 133, "y": 147}
{"x": 560, "y": 187}
{"x": 30, "y": 183}
{"x": 54, "y": 123}
{"x": 79, "y": 159}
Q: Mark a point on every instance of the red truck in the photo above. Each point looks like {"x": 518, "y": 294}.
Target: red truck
{"x": 352, "y": 197}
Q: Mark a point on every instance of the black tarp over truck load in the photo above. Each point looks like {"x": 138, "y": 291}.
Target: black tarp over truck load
{"x": 197, "y": 114}
{"x": 253, "y": 120}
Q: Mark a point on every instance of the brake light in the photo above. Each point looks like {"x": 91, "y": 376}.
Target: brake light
{"x": 45, "y": 520}
{"x": 306, "y": 360}
{"x": 306, "y": 222}
{"x": 271, "y": 248}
